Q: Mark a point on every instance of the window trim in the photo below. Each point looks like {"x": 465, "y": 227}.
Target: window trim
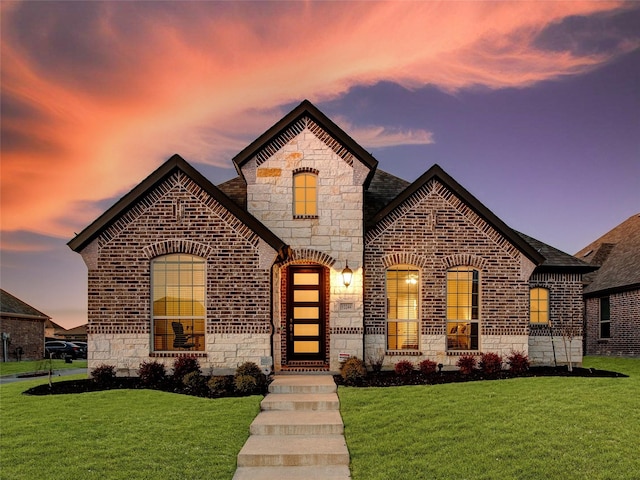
{"x": 311, "y": 173}
{"x": 531, "y": 311}
{"x": 416, "y": 321}
{"x": 602, "y": 321}
{"x": 200, "y": 336}
{"x": 472, "y": 337}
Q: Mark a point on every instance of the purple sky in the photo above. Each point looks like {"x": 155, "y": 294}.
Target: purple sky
{"x": 533, "y": 107}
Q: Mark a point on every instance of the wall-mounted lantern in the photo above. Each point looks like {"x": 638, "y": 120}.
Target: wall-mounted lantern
{"x": 347, "y": 275}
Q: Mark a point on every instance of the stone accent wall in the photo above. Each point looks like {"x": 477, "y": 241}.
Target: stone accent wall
{"x": 625, "y": 325}
{"x": 332, "y": 239}
{"x": 27, "y": 333}
{"x": 434, "y": 231}
{"x": 566, "y": 319}
{"x": 178, "y": 217}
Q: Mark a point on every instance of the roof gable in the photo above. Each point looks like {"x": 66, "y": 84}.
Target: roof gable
{"x": 617, "y": 253}
{"x": 175, "y": 163}
{"x": 303, "y": 116}
{"x": 437, "y": 173}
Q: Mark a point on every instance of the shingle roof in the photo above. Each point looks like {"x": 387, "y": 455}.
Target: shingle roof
{"x": 13, "y": 306}
{"x": 236, "y": 190}
{"x": 383, "y": 188}
{"x": 556, "y": 260}
{"x": 618, "y": 254}
{"x": 175, "y": 163}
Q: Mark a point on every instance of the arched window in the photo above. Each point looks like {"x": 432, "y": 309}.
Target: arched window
{"x": 463, "y": 308}
{"x": 178, "y": 302}
{"x": 539, "y": 305}
{"x": 403, "y": 292}
{"x": 305, "y": 194}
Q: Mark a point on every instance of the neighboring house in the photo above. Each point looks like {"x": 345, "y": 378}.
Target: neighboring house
{"x": 53, "y": 331}
{"x": 612, "y": 293}
{"x": 22, "y": 329}
{"x": 313, "y": 254}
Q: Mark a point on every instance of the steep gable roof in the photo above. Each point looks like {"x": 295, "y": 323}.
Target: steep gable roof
{"x": 271, "y": 140}
{"x": 175, "y": 163}
{"x": 617, "y": 253}
{"x": 437, "y": 173}
{"x": 14, "y": 307}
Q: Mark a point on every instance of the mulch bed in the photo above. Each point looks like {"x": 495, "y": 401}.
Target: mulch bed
{"x": 392, "y": 379}
{"x": 373, "y": 379}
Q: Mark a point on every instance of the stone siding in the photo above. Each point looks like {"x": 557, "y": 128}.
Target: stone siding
{"x": 625, "y": 325}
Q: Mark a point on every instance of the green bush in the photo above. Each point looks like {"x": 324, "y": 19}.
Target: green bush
{"x": 466, "y": 364}
{"x": 353, "y": 370}
{"x": 184, "y": 365}
{"x": 219, "y": 385}
{"x": 404, "y": 368}
{"x": 427, "y": 367}
{"x": 490, "y": 363}
{"x": 250, "y": 369}
{"x": 195, "y": 383}
{"x": 246, "y": 384}
{"x": 104, "y": 375}
{"x": 152, "y": 374}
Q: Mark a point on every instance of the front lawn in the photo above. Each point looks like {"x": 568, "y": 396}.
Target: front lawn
{"x": 120, "y": 434}
{"x": 525, "y": 428}
{"x": 29, "y": 366}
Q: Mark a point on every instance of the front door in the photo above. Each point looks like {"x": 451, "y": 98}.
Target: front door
{"x": 305, "y": 313}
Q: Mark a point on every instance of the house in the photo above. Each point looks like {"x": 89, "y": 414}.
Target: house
{"x": 313, "y": 254}
{"x": 22, "y": 329}
{"x": 53, "y": 331}
{"x": 612, "y": 293}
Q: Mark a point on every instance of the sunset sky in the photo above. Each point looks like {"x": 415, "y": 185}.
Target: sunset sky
{"x": 534, "y": 107}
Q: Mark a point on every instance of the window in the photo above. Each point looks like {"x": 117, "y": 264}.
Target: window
{"x": 539, "y": 305}
{"x": 403, "y": 289}
{"x": 305, "y": 194}
{"x": 462, "y": 308}
{"x": 605, "y": 318}
{"x": 178, "y": 302}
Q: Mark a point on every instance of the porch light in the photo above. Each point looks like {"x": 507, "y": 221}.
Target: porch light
{"x": 347, "y": 274}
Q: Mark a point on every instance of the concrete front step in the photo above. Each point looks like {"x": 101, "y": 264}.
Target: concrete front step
{"x": 303, "y": 384}
{"x": 300, "y": 401}
{"x": 330, "y": 472}
{"x": 293, "y": 450}
{"x": 298, "y": 422}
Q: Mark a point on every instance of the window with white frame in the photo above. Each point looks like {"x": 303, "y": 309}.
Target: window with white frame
{"x": 178, "y": 302}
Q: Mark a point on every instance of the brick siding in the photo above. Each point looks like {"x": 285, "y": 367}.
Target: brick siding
{"x": 26, "y": 333}
{"x": 625, "y": 325}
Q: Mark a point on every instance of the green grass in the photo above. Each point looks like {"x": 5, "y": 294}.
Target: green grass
{"x": 528, "y": 428}
{"x": 120, "y": 434}
{"x": 11, "y": 368}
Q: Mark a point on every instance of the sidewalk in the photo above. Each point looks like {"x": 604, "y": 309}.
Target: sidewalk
{"x": 17, "y": 377}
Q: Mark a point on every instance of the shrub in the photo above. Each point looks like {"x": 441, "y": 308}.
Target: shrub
{"x": 353, "y": 371}
{"x": 184, "y": 365}
{"x": 195, "y": 383}
{"x": 466, "y": 364}
{"x": 152, "y": 374}
{"x": 428, "y": 367}
{"x": 246, "y": 384}
{"x": 404, "y": 368}
{"x": 104, "y": 375}
{"x": 375, "y": 362}
{"x": 250, "y": 369}
{"x": 518, "y": 362}
{"x": 219, "y": 385}
{"x": 490, "y": 363}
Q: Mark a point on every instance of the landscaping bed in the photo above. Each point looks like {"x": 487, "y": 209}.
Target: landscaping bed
{"x": 392, "y": 379}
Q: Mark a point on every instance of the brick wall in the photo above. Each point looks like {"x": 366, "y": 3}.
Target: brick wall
{"x": 435, "y": 231}
{"x": 625, "y": 325}
{"x": 178, "y": 217}
{"x": 26, "y": 333}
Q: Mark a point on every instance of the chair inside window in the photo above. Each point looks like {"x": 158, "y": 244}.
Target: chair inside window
{"x": 181, "y": 339}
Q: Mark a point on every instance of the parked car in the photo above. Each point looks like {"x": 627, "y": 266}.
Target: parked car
{"x": 83, "y": 346}
{"x": 60, "y": 349}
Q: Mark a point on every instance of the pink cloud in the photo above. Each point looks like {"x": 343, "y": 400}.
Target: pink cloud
{"x": 102, "y": 103}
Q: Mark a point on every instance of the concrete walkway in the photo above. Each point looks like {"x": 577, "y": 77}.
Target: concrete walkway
{"x": 298, "y": 435}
